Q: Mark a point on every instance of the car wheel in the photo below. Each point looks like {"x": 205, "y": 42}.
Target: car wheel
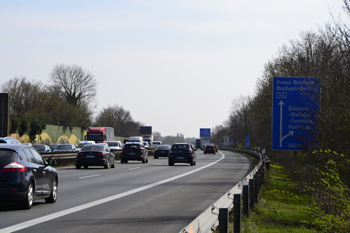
{"x": 86, "y": 167}
{"x": 27, "y": 202}
{"x": 205, "y": 153}
{"x": 156, "y": 157}
{"x": 53, "y": 197}
{"x": 77, "y": 166}
{"x": 171, "y": 163}
{"x": 107, "y": 166}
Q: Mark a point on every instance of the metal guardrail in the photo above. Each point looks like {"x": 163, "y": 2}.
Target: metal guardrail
{"x": 208, "y": 220}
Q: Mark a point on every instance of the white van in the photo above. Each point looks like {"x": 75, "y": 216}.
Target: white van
{"x": 83, "y": 143}
{"x": 156, "y": 143}
{"x": 135, "y": 139}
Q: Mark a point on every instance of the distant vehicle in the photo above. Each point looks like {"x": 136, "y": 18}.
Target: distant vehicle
{"x": 53, "y": 146}
{"x": 25, "y": 176}
{"x": 135, "y": 139}
{"x": 42, "y": 148}
{"x": 156, "y": 143}
{"x": 66, "y": 148}
{"x": 95, "y": 155}
{"x": 161, "y": 151}
{"x": 9, "y": 140}
{"x": 134, "y": 151}
{"x": 146, "y": 144}
{"x": 125, "y": 140}
{"x": 27, "y": 143}
{"x": 100, "y": 134}
{"x": 209, "y": 149}
{"x": 181, "y": 153}
{"x": 198, "y": 143}
{"x": 115, "y": 146}
{"x": 148, "y": 138}
{"x": 84, "y": 143}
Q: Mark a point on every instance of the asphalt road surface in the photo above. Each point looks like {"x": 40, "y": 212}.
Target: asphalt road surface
{"x": 133, "y": 197}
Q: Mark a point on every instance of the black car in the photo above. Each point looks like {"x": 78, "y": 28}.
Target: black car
{"x": 161, "y": 151}
{"x": 181, "y": 153}
{"x": 134, "y": 151}
{"x": 95, "y": 155}
{"x": 25, "y": 176}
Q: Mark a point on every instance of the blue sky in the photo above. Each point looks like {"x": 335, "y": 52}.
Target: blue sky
{"x": 175, "y": 65}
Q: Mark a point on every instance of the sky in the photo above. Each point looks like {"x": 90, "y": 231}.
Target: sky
{"x": 175, "y": 65}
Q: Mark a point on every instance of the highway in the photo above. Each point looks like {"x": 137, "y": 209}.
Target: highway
{"x": 132, "y": 197}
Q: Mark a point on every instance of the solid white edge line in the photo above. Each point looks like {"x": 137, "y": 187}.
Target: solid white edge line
{"x": 62, "y": 213}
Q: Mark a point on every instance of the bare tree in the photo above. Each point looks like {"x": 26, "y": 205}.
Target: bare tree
{"x": 24, "y": 96}
{"x": 76, "y": 85}
{"x": 120, "y": 119}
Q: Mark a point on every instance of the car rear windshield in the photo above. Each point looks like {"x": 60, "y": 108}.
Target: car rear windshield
{"x": 64, "y": 147}
{"x": 40, "y": 148}
{"x": 130, "y": 146}
{"x": 8, "y": 156}
{"x": 180, "y": 147}
{"x": 84, "y": 144}
{"x": 163, "y": 147}
{"x": 210, "y": 147}
{"x": 113, "y": 143}
{"x": 92, "y": 147}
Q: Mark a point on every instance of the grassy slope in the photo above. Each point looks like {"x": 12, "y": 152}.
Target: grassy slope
{"x": 280, "y": 207}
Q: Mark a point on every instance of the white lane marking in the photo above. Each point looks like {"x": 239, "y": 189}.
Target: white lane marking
{"x": 134, "y": 168}
{"x": 62, "y": 213}
{"x": 159, "y": 163}
{"x": 84, "y": 177}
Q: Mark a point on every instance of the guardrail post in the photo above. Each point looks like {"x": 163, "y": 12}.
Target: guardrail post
{"x": 255, "y": 189}
{"x": 237, "y": 214}
{"x": 251, "y": 190}
{"x": 223, "y": 220}
{"x": 245, "y": 200}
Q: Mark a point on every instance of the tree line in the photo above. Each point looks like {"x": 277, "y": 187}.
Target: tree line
{"x": 322, "y": 173}
{"x": 67, "y": 100}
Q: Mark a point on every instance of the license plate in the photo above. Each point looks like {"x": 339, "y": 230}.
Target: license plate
{"x": 131, "y": 153}
{"x": 180, "y": 158}
{"x": 162, "y": 152}
{"x": 90, "y": 156}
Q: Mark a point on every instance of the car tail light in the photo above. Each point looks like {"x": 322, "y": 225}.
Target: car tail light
{"x": 190, "y": 151}
{"x": 100, "y": 154}
{"x": 14, "y": 167}
{"x": 81, "y": 154}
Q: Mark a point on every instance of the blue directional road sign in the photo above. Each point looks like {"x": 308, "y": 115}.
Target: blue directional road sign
{"x": 220, "y": 143}
{"x": 247, "y": 142}
{"x": 295, "y": 108}
{"x": 231, "y": 142}
{"x": 204, "y": 132}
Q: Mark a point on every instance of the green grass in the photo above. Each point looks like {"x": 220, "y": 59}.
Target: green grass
{"x": 280, "y": 208}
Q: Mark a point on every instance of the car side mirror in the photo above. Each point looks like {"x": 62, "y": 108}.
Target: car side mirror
{"x": 51, "y": 162}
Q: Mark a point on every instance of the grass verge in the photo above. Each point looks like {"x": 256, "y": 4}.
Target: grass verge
{"x": 280, "y": 208}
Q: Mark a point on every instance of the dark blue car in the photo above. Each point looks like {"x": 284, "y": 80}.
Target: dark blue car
{"x": 42, "y": 148}
{"x": 25, "y": 176}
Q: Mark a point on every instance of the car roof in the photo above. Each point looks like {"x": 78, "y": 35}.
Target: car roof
{"x": 15, "y": 147}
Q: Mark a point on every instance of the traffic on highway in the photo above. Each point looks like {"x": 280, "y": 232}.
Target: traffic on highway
{"x": 156, "y": 195}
